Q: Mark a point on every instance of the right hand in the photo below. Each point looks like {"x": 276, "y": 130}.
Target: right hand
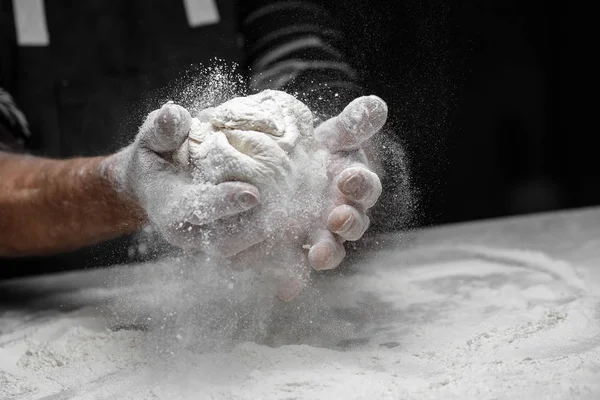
{"x": 340, "y": 141}
{"x": 175, "y": 205}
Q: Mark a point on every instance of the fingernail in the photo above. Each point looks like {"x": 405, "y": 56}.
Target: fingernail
{"x": 170, "y": 116}
{"x": 174, "y": 114}
{"x": 317, "y": 254}
{"x": 246, "y": 200}
{"x": 354, "y": 183}
{"x": 346, "y": 225}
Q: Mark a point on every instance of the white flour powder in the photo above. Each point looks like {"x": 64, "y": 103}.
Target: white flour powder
{"x": 266, "y": 139}
{"x": 482, "y": 324}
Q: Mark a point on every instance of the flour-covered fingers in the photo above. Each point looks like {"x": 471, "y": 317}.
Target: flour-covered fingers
{"x": 286, "y": 233}
{"x": 340, "y": 161}
{"x": 283, "y": 263}
{"x": 326, "y": 251}
{"x": 292, "y": 271}
{"x": 208, "y": 203}
{"x": 229, "y": 237}
{"x": 227, "y": 242}
{"x": 252, "y": 257}
{"x": 166, "y": 129}
{"x": 347, "y": 222}
{"x": 219, "y": 239}
{"x": 288, "y": 288}
{"x": 177, "y": 208}
{"x": 360, "y": 120}
{"x": 360, "y": 186}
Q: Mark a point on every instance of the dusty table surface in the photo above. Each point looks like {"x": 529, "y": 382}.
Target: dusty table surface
{"x": 493, "y": 309}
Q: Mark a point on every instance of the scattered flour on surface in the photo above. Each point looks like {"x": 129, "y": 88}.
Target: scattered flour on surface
{"x": 470, "y": 328}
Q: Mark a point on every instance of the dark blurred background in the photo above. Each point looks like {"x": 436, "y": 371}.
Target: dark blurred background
{"x": 476, "y": 90}
{"x": 484, "y": 96}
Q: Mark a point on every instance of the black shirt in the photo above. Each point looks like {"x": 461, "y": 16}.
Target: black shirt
{"x": 109, "y": 62}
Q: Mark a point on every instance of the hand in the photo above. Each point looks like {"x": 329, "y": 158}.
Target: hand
{"x": 353, "y": 188}
{"x": 175, "y": 204}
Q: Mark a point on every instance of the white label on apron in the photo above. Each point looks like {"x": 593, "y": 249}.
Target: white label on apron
{"x": 30, "y": 22}
{"x": 201, "y": 12}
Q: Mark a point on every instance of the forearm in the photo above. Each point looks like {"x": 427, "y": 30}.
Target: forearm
{"x": 49, "y": 206}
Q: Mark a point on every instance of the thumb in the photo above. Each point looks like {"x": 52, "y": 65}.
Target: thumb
{"x": 165, "y": 130}
{"x": 360, "y": 120}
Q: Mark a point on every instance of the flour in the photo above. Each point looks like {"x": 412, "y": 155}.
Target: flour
{"x": 503, "y": 324}
{"x": 263, "y": 139}
{"x": 267, "y": 140}
{"x": 62, "y": 354}
{"x": 273, "y": 112}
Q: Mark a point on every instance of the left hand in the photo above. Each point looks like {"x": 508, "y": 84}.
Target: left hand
{"x": 354, "y": 188}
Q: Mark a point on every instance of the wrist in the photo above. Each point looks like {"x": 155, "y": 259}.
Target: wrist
{"x": 113, "y": 170}
{"x": 114, "y": 167}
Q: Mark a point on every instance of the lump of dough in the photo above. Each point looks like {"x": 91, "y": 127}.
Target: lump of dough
{"x": 273, "y": 112}
{"x": 266, "y": 140}
{"x": 261, "y": 139}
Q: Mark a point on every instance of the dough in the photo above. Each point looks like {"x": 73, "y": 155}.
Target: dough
{"x": 266, "y": 139}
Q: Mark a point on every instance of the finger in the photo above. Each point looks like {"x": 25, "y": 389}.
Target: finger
{"x": 293, "y": 232}
{"x": 253, "y": 256}
{"x": 177, "y": 208}
{"x": 360, "y": 120}
{"x": 258, "y": 146}
{"x": 360, "y": 186}
{"x": 226, "y": 241}
{"x": 294, "y": 272}
{"x": 284, "y": 263}
{"x": 289, "y": 288}
{"x": 347, "y": 222}
{"x": 232, "y": 236}
{"x": 215, "y": 241}
{"x": 287, "y": 234}
{"x": 326, "y": 252}
{"x": 208, "y": 203}
{"x": 341, "y": 161}
{"x": 166, "y": 129}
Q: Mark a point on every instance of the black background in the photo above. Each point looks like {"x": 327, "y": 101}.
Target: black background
{"x": 480, "y": 93}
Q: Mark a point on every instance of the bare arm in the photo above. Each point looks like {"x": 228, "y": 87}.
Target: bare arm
{"x": 48, "y": 206}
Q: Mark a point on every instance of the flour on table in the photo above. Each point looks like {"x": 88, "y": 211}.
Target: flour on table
{"x": 494, "y": 324}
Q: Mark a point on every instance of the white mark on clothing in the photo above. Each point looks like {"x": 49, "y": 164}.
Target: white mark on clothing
{"x": 30, "y": 23}
{"x": 201, "y": 12}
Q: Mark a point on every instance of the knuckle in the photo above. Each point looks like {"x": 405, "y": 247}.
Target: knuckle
{"x": 358, "y": 228}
